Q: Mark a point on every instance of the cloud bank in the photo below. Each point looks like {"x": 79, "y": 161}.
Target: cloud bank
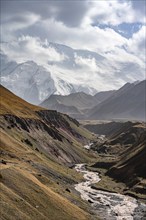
{"x": 27, "y": 27}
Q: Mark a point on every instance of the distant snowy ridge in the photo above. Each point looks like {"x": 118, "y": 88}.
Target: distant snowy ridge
{"x": 35, "y": 83}
{"x": 59, "y": 69}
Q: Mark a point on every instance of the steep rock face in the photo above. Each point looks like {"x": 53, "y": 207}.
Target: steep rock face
{"x": 31, "y": 124}
{"x": 58, "y": 120}
{"x": 56, "y": 138}
{"x": 55, "y": 118}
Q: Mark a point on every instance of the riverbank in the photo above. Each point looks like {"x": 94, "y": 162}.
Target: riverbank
{"x": 109, "y": 184}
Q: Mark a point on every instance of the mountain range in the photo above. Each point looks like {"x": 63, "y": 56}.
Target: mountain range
{"x": 34, "y": 81}
{"x": 63, "y": 71}
{"x": 63, "y": 84}
{"x": 128, "y": 102}
{"x": 75, "y": 104}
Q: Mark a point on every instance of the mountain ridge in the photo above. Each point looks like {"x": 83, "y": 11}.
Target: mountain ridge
{"x": 75, "y": 104}
{"x": 65, "y": 70}
{"x": 128, "y": 102}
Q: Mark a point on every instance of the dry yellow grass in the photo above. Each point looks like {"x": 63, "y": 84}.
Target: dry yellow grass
{"x": 11, "y": 104}
{"x": 23, "y": 196}
{"x": 27, "y": 192}
{"x": 28, "y": 198}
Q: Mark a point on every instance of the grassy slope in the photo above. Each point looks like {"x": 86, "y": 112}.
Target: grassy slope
{"x": 33, "y": 184}
{"x": 33, "y": 200}
{"x": 11, "y": 104}
{"x": 29, "y": 193}
{"x": 73, "y": 136}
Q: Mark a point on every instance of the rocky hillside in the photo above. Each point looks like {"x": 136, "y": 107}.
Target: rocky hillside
{"x": 131, "y": 167}
{"x": 108, "y": 128}
{"x": 34, "y": 121}
{"x": 122, "y": 150}
{"x": 37, "y": 148}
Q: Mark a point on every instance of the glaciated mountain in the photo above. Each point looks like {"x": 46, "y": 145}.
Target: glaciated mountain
{"x": 28, "y": 80}
{"x": 34, "y": 83}
{"x": 73, "y": 59}
{"x": 62, "y": 70}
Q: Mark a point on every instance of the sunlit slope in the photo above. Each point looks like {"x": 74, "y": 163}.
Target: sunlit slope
{"x": 38, "y": 147}
{"x": 28, "y": 191}
{"x": 56, "y": 135}
{"x": 12, "y": 104}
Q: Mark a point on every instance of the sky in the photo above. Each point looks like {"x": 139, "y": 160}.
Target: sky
{"x": 114, "y": 29}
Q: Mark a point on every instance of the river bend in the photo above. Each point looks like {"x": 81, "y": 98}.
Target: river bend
{"x": 108, "y": 206}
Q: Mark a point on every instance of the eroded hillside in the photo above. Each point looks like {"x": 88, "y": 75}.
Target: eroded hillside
{"x": 121, "y": 147}
{"x": 38, "y": 147}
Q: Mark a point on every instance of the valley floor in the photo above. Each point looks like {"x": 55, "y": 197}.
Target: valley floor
{"x": 39, "y": 149}
{"x": 106, "y": 204}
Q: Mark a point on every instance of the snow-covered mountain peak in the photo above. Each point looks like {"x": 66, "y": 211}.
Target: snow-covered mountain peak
{"x": 51, "y": 68}
{"x": 33, "y": 82}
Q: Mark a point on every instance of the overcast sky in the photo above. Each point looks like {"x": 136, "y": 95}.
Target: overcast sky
{"x": 111, "y": 28}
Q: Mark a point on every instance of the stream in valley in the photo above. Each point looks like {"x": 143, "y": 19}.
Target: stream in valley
{"x": 108, "y": 206}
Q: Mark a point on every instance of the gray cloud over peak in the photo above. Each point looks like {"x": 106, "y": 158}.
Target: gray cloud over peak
{"x": 139, "y": 6}
{"x": 70, "y": 13}
{"x": 73, "y": 13}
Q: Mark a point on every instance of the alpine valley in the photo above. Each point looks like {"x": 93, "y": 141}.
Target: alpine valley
{"x": 70, "y": 151}
{"x": 72, "y": 110}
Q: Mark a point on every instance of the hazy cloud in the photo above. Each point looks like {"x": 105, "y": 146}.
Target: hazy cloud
{"x": 137, "y": 44}
{"x": 30, "y": 48}
{"x": 28, "y": 26}
{"x": 70, "y": 13}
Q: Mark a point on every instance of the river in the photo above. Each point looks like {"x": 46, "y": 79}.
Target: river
{"x": 108, "y": 206}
